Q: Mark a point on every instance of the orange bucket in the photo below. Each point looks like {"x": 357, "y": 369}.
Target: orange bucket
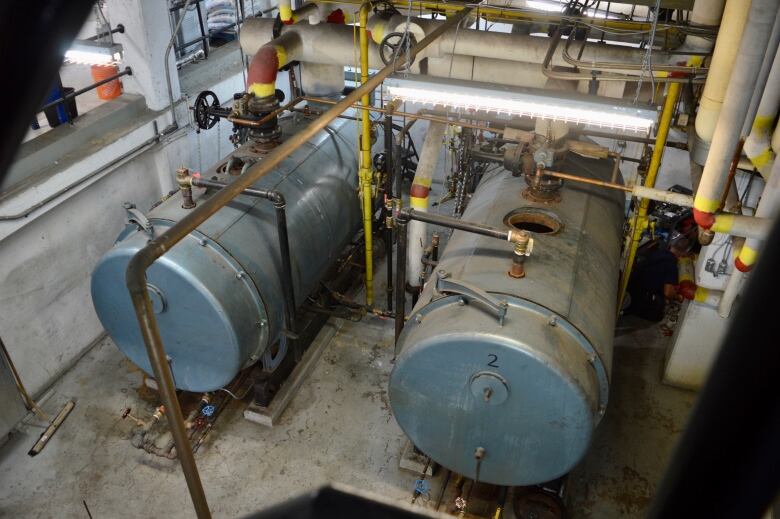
{"x": 110, "y": 90}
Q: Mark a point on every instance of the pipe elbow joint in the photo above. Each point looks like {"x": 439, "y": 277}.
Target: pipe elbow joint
{"x": 135, "y": 275}
{"x": 263, "y": 69}
{"x": 703, "y": 219}
{"x": 278, "y": 199}
{"x": 742, "y": 267}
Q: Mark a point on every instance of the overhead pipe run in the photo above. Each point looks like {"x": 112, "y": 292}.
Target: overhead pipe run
{"x": 752, "y": 48}
{"x": 508, "y": 59}
{"x": 723, "y": 59}
{"x": 143, "y": 259}
{"x": 758, "y": 145}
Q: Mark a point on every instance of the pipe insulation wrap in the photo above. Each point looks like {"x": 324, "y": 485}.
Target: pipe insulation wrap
{"x": 721, "y": 65}
{"x": 752, "y": 49}
{"x": 509, "y": 46}
{"x": 758, "y": 144}
{"x": 419, "y": 198}
{"x": 704, "y": 12}
{"x": 267, "y": 61}
{"x": 768, "y": 207}
{"x": 334, "y": 45}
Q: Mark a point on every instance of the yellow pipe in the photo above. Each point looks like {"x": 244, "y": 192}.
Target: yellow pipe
{"x": 366, "y": 169}
{"x": 640, "y": 221}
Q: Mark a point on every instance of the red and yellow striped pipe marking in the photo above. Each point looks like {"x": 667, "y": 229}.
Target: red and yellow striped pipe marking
{"x": 263, "y": 69}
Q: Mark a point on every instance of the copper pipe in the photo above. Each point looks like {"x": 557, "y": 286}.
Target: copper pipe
{"x": 256, "y": 124}
{"x": 732, "y": 172}
{"x": 143, "y": 259}
{"x": 594, "y": 182}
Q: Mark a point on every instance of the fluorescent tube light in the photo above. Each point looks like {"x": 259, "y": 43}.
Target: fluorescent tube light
{"x": 93, "y": 53}
{"x": 524, "y": 102}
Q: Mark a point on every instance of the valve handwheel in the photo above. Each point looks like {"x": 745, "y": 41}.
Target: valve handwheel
{"x": 393, "y": 46}
{"x": 204, "y": 118}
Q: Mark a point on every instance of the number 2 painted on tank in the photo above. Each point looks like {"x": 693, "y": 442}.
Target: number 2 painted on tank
{"x": 493, "y": 359}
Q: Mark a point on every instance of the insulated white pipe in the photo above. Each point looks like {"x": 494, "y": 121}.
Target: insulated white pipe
{"x": 331, "y": 43}
{"x": 776, "y": 139}
{"x": 419, "y": 199}
{"x": 491, "y": 70}
{"x": 723, "y": 58}
{"x": 506, "y": 46}
{"x": 704, "y": 12}
{"x": 758, "y": 144}
{"x": 752, "y": 48}
{"x": 768, "y": 208}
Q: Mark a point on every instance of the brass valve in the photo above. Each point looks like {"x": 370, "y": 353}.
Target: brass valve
{"x": 523, "y": 246}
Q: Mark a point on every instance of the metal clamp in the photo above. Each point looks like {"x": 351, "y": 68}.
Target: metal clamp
{"x": 135, "y": 216}
{"x": 447, "y": 285}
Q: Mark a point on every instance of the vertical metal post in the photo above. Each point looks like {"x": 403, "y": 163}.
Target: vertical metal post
{"x": 400, "y": 279}
{"x": 287, "y": 279}
{"x": 389, "y": 197}
{"x": 205, "y": 40}
{"x": 640, "y": 221}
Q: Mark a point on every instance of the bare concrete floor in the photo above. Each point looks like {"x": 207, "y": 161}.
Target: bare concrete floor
{"x": 338, "y": 428}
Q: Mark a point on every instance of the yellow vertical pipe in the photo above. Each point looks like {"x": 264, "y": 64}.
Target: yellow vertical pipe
{"x": 640, "y": 221}
{"x": 366, "y": 169}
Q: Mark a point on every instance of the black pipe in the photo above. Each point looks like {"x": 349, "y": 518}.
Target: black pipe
{"x": 126, "y": 72}
{"x": 202, "y": 30}
{"x": 727, "y": 462}
{"x": 191, "y": 42}
{"x": 388, "y": 209}
{"x": 453, "y": 223}
{"x": 280, "y": 204}
{"x": 402, "y": 220}
{"x": 119, "y": 28}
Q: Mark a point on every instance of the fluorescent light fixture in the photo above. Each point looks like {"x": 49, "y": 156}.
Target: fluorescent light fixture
{"x": 94, "y": 53}
{"x": 524, "y": 102}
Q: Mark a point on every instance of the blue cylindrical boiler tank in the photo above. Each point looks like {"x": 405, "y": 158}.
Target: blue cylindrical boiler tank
{"x": 514, "y": 400}
{"x": 217, "y": 294}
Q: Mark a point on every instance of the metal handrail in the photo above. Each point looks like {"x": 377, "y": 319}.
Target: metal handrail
{"x": 143, "y": 259}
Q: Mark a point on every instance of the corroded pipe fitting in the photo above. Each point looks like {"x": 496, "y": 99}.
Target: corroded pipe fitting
{"x": 521, "y": 242}
{"x": 185, "y": 186}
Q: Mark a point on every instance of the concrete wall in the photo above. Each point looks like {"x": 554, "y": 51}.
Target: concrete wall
{"x": 46, "y": 316}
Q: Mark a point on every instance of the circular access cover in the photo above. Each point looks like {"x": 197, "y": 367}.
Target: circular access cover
{"x": 533, "y": 219}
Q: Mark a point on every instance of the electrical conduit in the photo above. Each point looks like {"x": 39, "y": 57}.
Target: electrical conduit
{"x": 419, "y": 198}
{"x": 752, "y": 49}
